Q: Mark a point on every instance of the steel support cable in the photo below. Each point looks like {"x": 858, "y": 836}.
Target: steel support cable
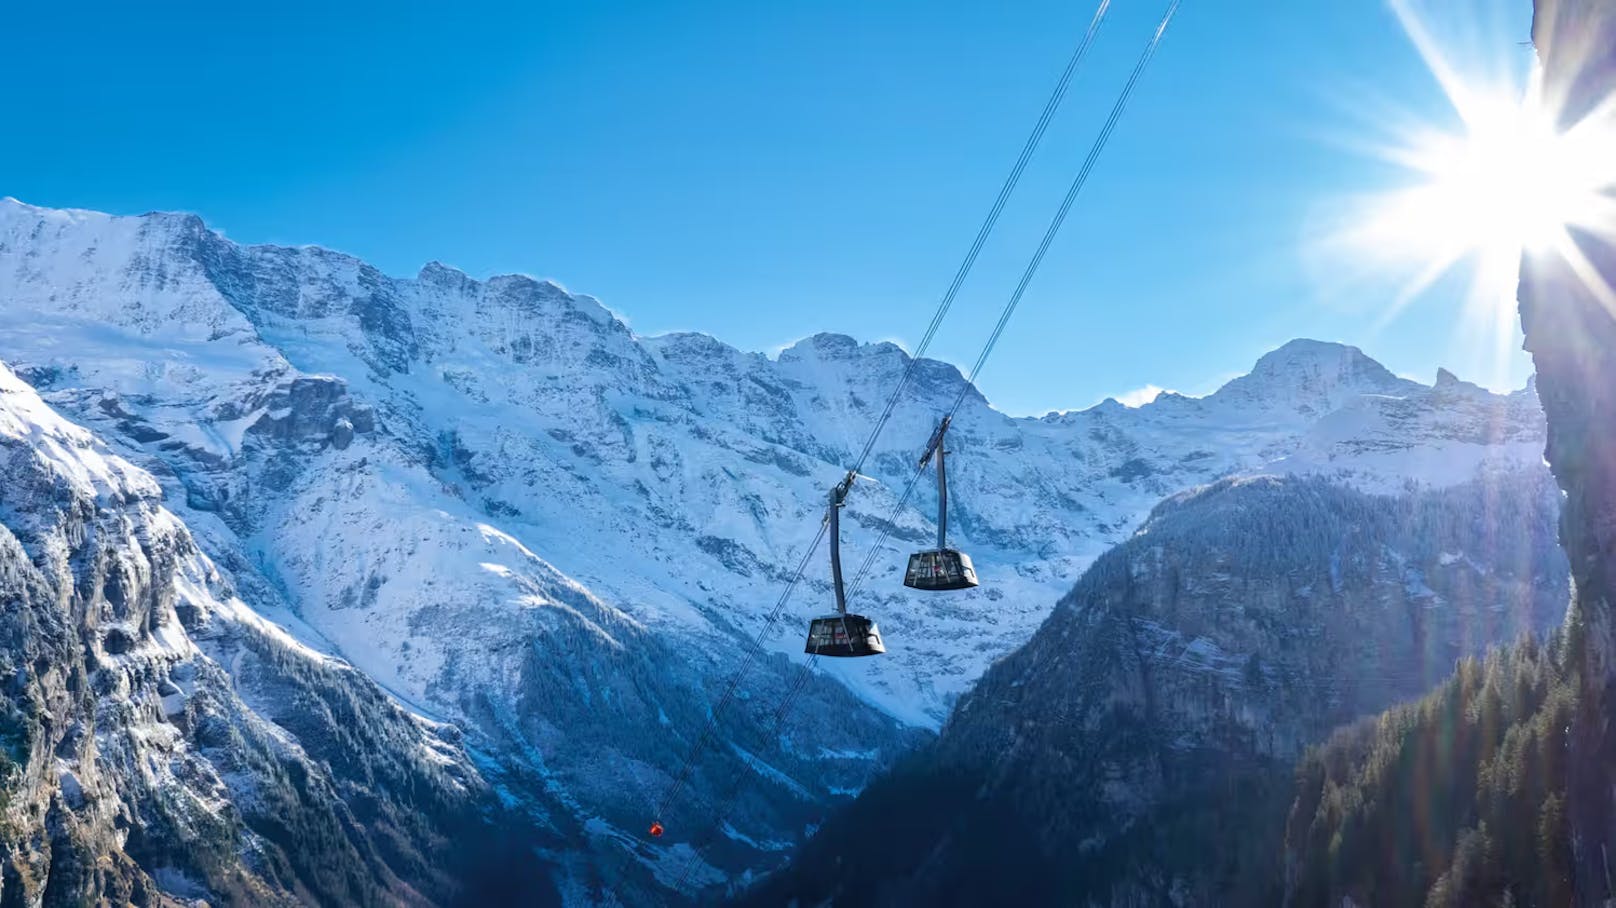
{"x": 1072, "y": 193}
{"x": 727, "y": 805}
{"x": 735, "y": 679}
{"x": 710, "y": 727}
{"x": 886, "y": 532}
{"x": 986, "y": 228}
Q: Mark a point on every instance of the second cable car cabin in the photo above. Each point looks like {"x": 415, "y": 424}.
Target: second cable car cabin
{"x": 841, "y": 634}
{"x": 942, "y": 568}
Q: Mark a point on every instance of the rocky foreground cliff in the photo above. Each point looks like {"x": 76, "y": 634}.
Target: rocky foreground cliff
{"x": 160, "y": 742}
{"x": 1569, "y": 316}
{"x": 1501, "y": 780}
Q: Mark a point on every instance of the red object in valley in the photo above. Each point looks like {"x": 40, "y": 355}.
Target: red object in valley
{"x": 656, "y": 830}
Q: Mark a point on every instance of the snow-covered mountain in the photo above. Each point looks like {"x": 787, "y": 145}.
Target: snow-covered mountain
{"x": 516, "y": 515}
{"x": 668, "y": 474}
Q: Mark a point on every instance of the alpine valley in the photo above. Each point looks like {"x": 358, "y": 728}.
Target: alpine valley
{"x": 326, "y": 586}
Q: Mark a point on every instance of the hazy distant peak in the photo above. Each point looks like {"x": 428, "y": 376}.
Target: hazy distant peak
{"x": 1314, "y": 377}
{"x": 1305, "y": 356}
{"x": 824, "y": 345}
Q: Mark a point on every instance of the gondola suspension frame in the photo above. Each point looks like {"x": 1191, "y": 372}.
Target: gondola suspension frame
{"x": 941, "y": 569}
{"x": 841, "y": 635}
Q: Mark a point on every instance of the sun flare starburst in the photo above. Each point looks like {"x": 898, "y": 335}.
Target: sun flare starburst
{"x": 1509, "y": 176}
{"x": 1509, "y": 181}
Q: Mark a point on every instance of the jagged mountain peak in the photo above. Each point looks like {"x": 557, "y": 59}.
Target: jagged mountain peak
{"x": 1108, "y": 407}
{"x": 181, "y": 255}
{"x": 1450, "y": 385}
{"x": 1313, "y": 377}
{"x": 1300, "y": 348}
{"x": 1305, "y": 356}
{"x": 13, "y": 207}
{"x": 701, "y": 351}
{"x": 876, "y": 366}
{"x": 16, "y": 210}
{"x": 438, "y": 270}
{"x": 830, "y": 345}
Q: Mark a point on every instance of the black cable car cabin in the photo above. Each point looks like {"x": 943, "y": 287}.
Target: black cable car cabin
{"x": 942, "y": 568}
{"x": 844, "y": 635}
{"x": 841, "y": 634}
{"x": 940, "y": 571}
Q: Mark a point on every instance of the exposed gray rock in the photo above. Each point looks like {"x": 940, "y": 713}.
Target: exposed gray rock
{"x": 135, "y": 769}
{"x": 1565, "y": 305}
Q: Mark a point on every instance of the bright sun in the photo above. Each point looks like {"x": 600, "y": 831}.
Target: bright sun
{"x": 1510, "y": 181}
{"x": 1510, "y": 178}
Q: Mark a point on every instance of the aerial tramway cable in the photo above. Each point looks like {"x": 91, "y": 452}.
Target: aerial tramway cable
{"x": 727, "y": 804}
{"x": 1073, "y": 191}
{"x": 734, "y": 681}
{"x": 1031, "y": 270}
{"x": 986, "y": 228}
{"x": 988, "y": 223}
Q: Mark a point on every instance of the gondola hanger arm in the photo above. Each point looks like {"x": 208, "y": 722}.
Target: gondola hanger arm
{"x": 936, "y": 440}
{"x": 845, "y": 486}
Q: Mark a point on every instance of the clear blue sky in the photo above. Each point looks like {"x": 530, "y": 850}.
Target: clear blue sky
{"x": 764, "y": 170}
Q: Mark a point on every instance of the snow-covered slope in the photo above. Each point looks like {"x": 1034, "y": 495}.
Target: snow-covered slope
{"x": 368, "y": 527}
{"x": 673, "y": 476}
{"x": 161, "y": 741}
{"x": 515, "y": 513}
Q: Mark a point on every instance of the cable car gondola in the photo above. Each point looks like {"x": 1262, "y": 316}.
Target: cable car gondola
{"x": 942, "y": 568}
{"x": 841, "y": 634}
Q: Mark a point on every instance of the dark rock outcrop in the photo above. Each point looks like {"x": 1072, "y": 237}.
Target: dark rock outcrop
{"x": 1568, "y": 311}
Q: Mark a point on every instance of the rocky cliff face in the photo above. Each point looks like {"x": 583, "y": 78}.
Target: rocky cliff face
{"x": 1567, "y": 313}
{"x": 1138, "y": 750}
{"x": 1501, "y": 779}
{"x": 161, "y": 743}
